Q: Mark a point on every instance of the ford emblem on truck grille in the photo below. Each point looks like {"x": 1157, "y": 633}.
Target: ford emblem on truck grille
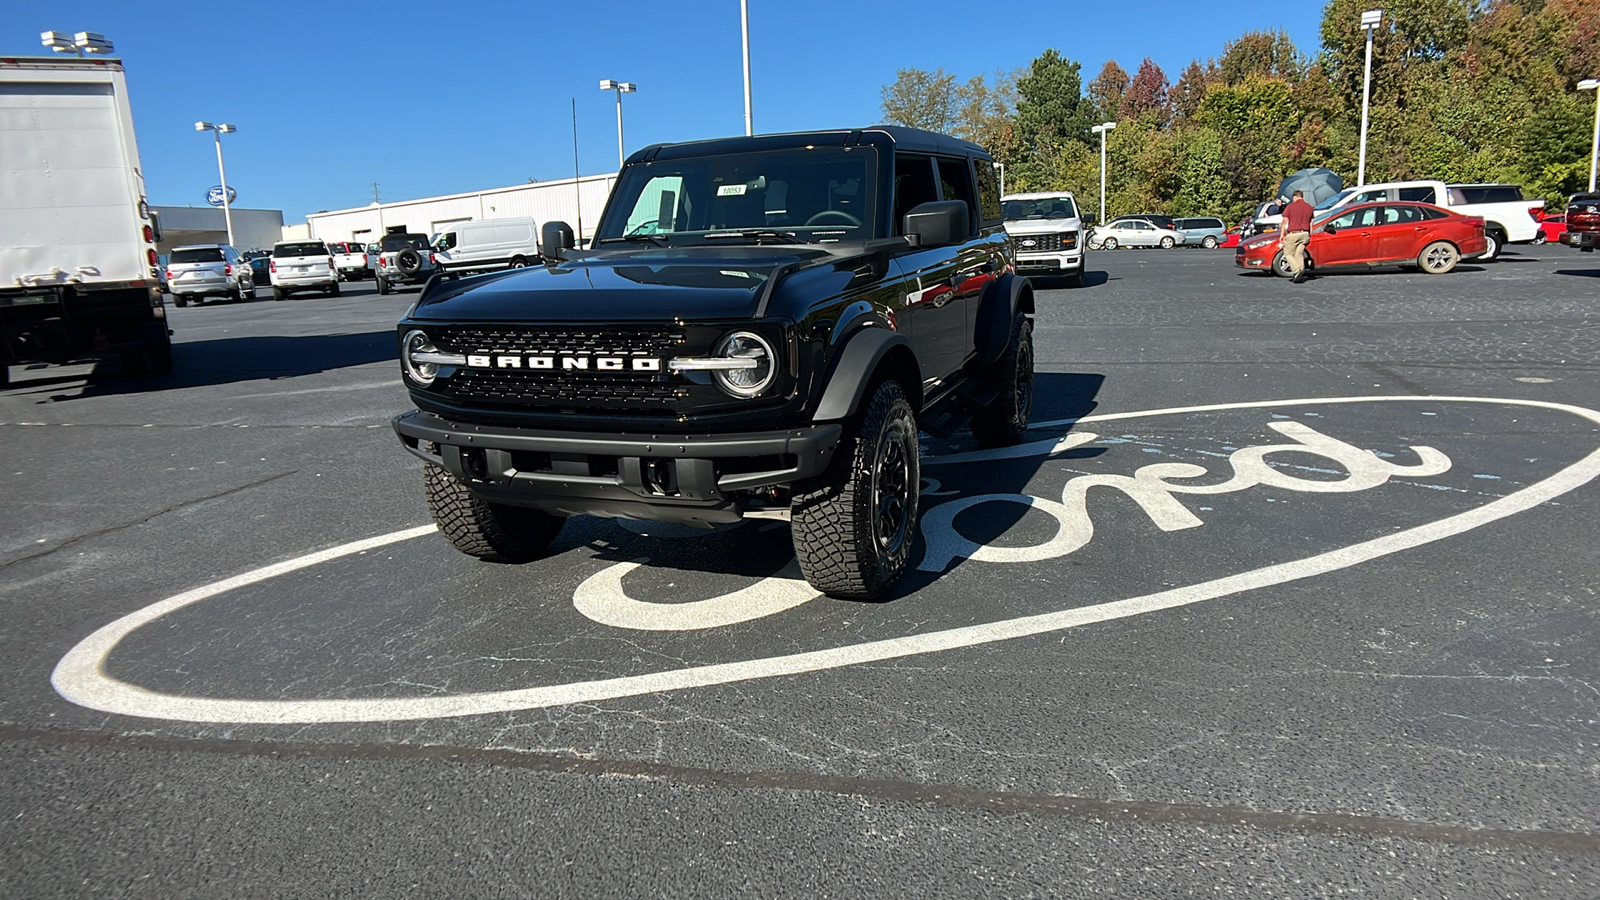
{"x": 565, "y": 363}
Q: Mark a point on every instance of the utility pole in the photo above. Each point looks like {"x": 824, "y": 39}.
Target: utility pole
{"x": 379, "y": 204}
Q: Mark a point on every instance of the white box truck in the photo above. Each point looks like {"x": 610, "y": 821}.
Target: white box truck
{"x": 78, "y": 267}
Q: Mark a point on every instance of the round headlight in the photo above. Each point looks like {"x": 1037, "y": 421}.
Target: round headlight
{"x": 422, "y": 373}
{"x": 749, "y": 381}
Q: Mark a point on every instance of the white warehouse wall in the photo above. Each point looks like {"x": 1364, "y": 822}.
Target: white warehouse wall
{"x": 544, "y": 201}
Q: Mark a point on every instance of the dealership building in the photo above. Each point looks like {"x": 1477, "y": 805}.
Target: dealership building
{"x": 182, "y": 226}
{"x": 576, "y": 201}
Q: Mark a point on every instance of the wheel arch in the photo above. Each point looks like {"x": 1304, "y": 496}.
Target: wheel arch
{"x": 869, "y": 354}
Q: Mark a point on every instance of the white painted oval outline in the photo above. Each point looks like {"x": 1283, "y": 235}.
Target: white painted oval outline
{"x": 79, "y": 678}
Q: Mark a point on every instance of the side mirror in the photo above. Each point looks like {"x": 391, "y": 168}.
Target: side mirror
{"x": 938, "y": 224}
{"x": 1329, "y": 229}
{"x": 555, "y": 238}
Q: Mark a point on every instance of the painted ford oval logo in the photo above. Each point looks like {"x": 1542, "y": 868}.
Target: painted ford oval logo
{"x": 1213, "y": 500}
{"x": 1030, "y": 242}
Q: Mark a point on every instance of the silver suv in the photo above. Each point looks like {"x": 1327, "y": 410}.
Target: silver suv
{"x": 208, "y": 270}
{"x": 404, "y": 259}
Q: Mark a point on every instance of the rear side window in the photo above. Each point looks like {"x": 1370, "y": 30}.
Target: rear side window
{"x": 1418, "y": 195}
{"x": 307, "y": 249}
{"x": 1493, "y": 193}
{"x": 988, "y": 191}
{"x": 1371, "y": 196}
{"x": 1433, "y": 212}
{"x": 198, "y": 255}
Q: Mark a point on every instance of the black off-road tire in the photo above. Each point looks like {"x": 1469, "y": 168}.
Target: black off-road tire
{"x": 1004, "y": 422}
{"x": 383, "y": 285}
{"x": 486, "y": 530}
{"x": 854, "y": 524}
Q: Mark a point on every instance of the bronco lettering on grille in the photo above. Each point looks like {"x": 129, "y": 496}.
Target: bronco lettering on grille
{"x": 486, "y": 360}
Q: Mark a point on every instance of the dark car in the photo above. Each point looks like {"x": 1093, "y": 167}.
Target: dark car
{"x": 761, "y": 329}
{"x": 1583, "y": 222}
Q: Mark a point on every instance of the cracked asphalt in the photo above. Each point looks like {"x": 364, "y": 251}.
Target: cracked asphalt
{"x": 1143, "y": 658}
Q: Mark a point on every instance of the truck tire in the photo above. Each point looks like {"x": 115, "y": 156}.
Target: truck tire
{"x": 409, "y": 261}
{"x": 160, "y": 356}
{"x": 333, "y": 289}
{"x": 383, "y": 285}
{"x": 279, "y": 293}
{"x": 1004, "y": 421}
{"x": 180, "y": 300}
{"x": 486, "y": 530}
{"x": 854, "y": 524}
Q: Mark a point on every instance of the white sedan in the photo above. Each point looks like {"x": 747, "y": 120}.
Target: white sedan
{"x": 1134, "y": 233}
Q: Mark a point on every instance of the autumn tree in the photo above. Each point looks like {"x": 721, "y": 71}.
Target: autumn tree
{"x": 921, "y": 99}
{"x": 1146, "y": 94}
{"x": 1106, "y": 90}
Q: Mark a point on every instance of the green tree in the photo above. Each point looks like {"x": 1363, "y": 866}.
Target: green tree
{"x": 921, "y": 99}
{"x": 1050, "y": 106}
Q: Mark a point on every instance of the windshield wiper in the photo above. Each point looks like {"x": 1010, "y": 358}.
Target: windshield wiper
{"x": 656, "y": 239}
{"x": 759, "y": 233}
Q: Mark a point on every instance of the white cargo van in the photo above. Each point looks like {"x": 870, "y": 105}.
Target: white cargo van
{"x": 488, "y": 244}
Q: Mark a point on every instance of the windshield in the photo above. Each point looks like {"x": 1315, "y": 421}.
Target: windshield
{"x": 316, "y": 249}
{"x": 1336, "y": 198}
{"x": 404, "y": 242}
{"x": 821, "y": 194}
{"x": 197, "y": 255}
{"x": 1042, "y": 208}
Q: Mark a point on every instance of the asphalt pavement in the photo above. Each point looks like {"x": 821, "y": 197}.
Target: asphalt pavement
{"x": 1291, "y": 593}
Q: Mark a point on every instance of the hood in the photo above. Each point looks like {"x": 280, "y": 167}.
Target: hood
{"x": 646, "y": 285}
{"x": 1043, "y": 226}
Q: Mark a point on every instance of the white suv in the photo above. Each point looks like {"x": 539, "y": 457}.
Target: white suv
{"x": 302, "y": 266}
{"x": 1046, "y": 233}
{"x": 208, "y": 270}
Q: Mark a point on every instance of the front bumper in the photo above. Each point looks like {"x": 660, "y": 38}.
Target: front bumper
{"x": 688, "y": 478}
{"x": 1045, "y": 263}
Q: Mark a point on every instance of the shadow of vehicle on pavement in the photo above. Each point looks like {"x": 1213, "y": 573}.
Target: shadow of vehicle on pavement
{"x": 1581, "y": 273}
{"x": 221, "y": 361}
{"x": 759, "y": 549}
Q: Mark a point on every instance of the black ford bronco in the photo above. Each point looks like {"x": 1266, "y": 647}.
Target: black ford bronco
{"x": 760, "y": 329}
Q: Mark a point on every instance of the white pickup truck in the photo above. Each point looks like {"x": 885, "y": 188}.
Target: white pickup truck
{"x": 1507, "y": 217}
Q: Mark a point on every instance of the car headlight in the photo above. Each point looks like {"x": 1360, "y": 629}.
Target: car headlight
{"x": 743, "y": 364}
{"x": 422, "y": 359}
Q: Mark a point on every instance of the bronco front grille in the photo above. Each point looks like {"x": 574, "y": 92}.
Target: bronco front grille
{"x": 570, "y": 389}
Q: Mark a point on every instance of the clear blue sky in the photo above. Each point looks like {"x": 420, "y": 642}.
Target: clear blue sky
{"x": 443, "y": 97}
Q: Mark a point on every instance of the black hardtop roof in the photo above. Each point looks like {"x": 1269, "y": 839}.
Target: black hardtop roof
{"x": 896, "y": 136}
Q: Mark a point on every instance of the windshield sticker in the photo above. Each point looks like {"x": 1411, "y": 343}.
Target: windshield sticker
{"x": 731, "y": 190}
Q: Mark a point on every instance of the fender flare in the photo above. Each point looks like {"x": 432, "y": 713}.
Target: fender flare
{"x": 847, "y": 382}
{"x": 1007, "y": 296}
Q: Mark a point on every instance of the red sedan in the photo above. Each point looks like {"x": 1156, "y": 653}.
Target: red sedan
{"x": 1376, "y": 234}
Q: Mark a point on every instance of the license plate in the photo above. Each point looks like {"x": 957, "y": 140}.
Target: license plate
{"x": 299, "y": 268}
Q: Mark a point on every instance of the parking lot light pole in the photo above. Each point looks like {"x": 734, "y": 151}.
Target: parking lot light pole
{"x": 1101, "y": 130}
{"x": 1369, "y": 23}
{"x": 744, "y": 25}
{"x": 620, "y": 87}
{"x": 218, "y": 131}
{"x": 1002, "y": 167}
{"x": 1593, "y": 84}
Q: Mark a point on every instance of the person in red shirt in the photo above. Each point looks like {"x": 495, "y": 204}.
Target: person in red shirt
{"x": 1297, "y": 234}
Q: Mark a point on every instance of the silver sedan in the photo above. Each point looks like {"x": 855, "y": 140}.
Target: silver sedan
{"x": 1135, "y": 233}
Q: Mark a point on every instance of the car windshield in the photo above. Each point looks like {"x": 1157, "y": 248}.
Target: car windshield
{"x": 1336, "y": 198}
{"x": 404, "y": 242}
{"x": 819, "y": 194}
{"x": 316, "y": 249}
{"x": 197, "y": 255}
{"x": 1041, "y": 208}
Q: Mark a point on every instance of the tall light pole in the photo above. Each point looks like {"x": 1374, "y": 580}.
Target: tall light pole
{"x": 1002, "y": 167}
{"x": 744, "y": 24}
{"x": 1101, "y": 130}
{"x": 1370, "y": 20}
{"x": 80, "y": 43}
{"x": 1593, "y": 84}
{"x": 218, "y": 131}
{"x": 620, "y": 87}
